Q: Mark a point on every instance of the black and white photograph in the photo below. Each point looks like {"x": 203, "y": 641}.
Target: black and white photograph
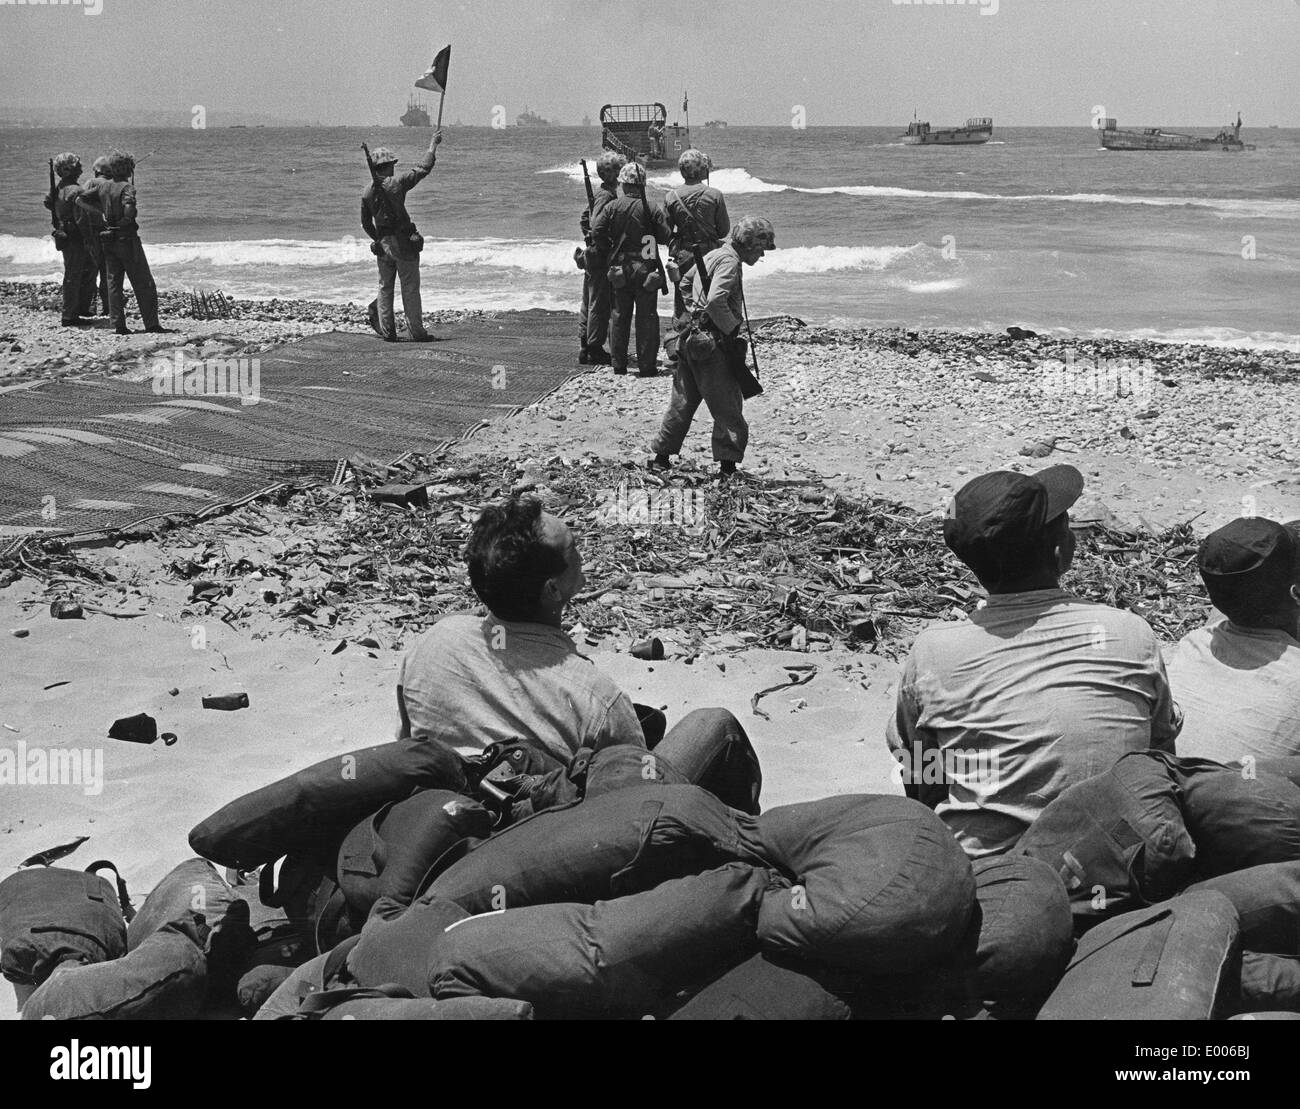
{"x": 601, "y": 510}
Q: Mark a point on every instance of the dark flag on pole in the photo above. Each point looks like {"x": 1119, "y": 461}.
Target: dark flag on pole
{"x": 684, "y": 102}
{"x": 436, "y": 78}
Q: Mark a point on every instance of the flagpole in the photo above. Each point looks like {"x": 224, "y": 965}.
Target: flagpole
{"x": 442, "y": 96}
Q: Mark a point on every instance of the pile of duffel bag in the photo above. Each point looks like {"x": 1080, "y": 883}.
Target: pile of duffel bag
{"x": 1184, "y": 883}
{"x": 373, "y": 886}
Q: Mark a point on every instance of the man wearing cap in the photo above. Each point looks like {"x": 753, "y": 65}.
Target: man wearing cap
{"x": 1238, "y": 678}
{"x": 702, "y": 374}
{"x": 395, "y": 242}
{"x": 1037, "y": 690}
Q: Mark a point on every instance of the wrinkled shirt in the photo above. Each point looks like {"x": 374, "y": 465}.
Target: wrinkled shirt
{"x": 375, "y": 218}
{"x": 113, "y": 201}
{"x": 698, "y": 215}
{"x": 725, "y": 300}
{"x": 629, "y": 221}
{"x": 1239, "y": 689}
{"x": 472, "y": 681}
{"x": 1034, "y": 693}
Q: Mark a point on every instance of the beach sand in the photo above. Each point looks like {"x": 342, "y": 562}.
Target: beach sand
{"x": 908, "y": 421}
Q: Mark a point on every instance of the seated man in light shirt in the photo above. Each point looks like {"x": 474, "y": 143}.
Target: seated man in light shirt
{"x": 471, "y": 681}
{"x": 1238, "y": 678}
{"x": 1037, "y": 690}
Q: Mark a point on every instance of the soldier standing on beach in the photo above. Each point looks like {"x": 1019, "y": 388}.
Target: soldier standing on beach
{"x": 697, "y": 213}
{"x": 396, "y": 244}
{"x": 625, "y": 234}
{"x": 91, "y": 224}
{"x": 593, "y": 321}
{"x": 713, "y": 321}
{"x": 78, "y": 265}
{"x": 113, "y": 200}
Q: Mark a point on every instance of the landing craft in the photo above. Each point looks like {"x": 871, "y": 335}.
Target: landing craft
{"x": 977, "y": 130}
{"x": 1153, "y": 138}
{"x": 640, "y": 132}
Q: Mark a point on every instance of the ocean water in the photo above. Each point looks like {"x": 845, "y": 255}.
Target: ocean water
{"x": 1040, "y": 228}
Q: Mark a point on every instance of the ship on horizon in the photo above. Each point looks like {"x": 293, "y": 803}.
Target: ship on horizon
{"x": 530, "y": 119}
{"x": 416, "y": 114}
{"x": 1154, "y": 138}
{"x": 978, "y": 130}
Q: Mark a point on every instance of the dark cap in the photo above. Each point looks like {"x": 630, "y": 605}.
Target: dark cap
{"x": 998, "y": 520}
{"x": 1249, "y": 553}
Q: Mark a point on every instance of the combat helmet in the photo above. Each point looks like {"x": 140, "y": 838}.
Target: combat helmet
{"x": 694, "y": 164}
{"x": 100, "y": 167}
{"x": 608, "y": 165}
{"x": 383, "y": 157}
{"x": 632, "y": 174}
{"x": 67, "y": 165}
{"x": 753, "y": 232}
{"x": 120, "y": 165}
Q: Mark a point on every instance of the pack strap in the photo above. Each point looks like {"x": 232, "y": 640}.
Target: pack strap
{"x": 123, "y": 898}
{"x": 316, "y": 1005}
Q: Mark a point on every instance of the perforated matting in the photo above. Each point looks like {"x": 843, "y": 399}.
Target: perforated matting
{"x": 102, "y": 454}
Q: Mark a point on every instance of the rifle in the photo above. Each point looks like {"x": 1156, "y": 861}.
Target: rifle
{"x": 733, "y": 350}
{"x": 580, "y": 254}
{"x": 51, "y": 202}
{"x": 381, "y": 198}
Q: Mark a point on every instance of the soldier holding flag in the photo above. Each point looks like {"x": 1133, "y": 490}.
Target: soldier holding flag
{"x": 395, "y": 242}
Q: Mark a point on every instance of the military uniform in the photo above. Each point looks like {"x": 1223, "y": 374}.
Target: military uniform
{"x": 697, "y": 214}
{"x": 399, "y": 257}
{"x": 124, "y": 254}
{"x": 708, "y": 379}
{"x": 79, "y": 266}
{"x": 620, "y": 234}
{"x": 593, "y": 320}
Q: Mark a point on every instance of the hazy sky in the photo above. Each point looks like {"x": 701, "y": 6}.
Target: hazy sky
{"x": 1165, "y": 62}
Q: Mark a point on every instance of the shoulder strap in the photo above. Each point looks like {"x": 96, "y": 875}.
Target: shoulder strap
{"x": 316, "y": 1005}
{"x": 124, "y": 898}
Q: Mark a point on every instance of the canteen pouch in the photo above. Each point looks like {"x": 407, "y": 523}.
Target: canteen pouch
{"x": 617, "y": 276}
{"x": 700, "y": 345}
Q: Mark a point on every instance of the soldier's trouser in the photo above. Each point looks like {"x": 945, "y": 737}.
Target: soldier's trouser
{"x": 408, "y": 269}
{"x": 101, "y": 268}
{"x": 593, "y": 323}
{"x": 78, "y": 280}
{"x": 633, "y": 297}
{"x": 710, "y": 381}
{"x": 127, "y": 260}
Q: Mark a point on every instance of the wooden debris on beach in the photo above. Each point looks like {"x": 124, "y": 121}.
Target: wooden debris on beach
{"x": 702, "y": 567}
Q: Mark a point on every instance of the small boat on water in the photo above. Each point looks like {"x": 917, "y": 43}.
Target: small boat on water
{"x": 977, "y": 130}
{"x": 641, "y": 132}
{"x": 1154, "y": 138}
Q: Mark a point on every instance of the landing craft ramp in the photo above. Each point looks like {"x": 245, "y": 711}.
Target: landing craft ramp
{"x": 101, "y": 454}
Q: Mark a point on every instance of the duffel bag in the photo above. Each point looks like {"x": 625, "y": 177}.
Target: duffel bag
{"x": 615, "y": 959}
{"x": 396, "y": 943}
{"x": 1180, "y": 960}
{"x": 164, "y": 978}
{"x": 620, "y": 842}
{"x": 50, "y": 915}
{"x": 1117, "y": 840}
{"x": 1269, "y": 982}
{"x": 426, "y": 1008}
{"x": 310, "y": 812}
{"x": 881, "y": 885}
{"x": 257, "y": 986}
{"x": 388, "y": 854}
{"x": 1013, "y": 954}
{"x": 1267, "y": 900}
{"x": 1239, "y": 817}
{"x": 195, "y": 893}
{"x": 762, "y": 988}
{"x": 315, "y": 975}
